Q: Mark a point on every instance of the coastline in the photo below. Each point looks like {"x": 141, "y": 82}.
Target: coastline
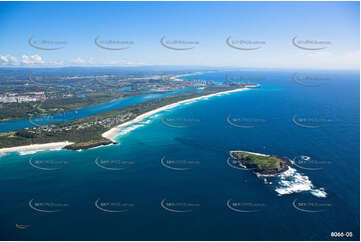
{"x": 46, "y": 146}
{"x": 177, "y": 77}
{"x": 113, "y": 132}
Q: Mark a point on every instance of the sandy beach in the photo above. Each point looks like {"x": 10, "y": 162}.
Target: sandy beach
{"x": 177, "y": 77}
{"x": 56, "y": 145}
{"x": 112, "y": 133}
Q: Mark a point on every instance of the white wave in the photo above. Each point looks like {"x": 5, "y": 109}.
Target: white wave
{"x": 29, "y": 152}
{"x": 128, "y": 129}
{"x": 133, "y": 127}
{"x": 304, "y": 157}
{"x": 266, "y": 181}
{"x": 97, "y": 147}
{"x": 319, "y": 192}
{"x": 291, "y": 181}
{"x": 112, "y": 133}
{"x": 56, "y": 149}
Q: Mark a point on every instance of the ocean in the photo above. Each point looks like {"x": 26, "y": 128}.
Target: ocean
{"x": 171, "y": 176}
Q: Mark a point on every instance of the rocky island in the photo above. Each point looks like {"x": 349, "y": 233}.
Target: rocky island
{"x": 260, "y": 163}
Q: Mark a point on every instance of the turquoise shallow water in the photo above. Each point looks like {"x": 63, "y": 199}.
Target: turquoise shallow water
{"x": 168, "y": 179}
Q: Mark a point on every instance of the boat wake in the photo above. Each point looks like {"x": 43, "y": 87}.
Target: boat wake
{"x": 292, "y": 181}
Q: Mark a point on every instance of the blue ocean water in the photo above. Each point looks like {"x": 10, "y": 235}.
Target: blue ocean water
{"x": 169, "y": 179}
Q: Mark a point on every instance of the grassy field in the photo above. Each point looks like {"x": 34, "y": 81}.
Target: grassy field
{"x": 262, "y": 162}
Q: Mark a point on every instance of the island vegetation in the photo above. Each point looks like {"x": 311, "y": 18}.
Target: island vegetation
{"x": 261, "y": 164}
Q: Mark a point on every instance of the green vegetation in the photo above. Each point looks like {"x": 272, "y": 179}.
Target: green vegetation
{"x": 267, "y": 165}
{"x": 262, "y": 162}
{"x": 89, "y": 144}
{"x": 87, "y": 132}
{"x": 10, "y": 111}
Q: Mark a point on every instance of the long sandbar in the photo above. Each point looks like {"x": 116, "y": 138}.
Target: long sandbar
{"x": 112, "y": 133}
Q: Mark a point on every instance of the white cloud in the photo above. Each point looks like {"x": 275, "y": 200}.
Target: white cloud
{"x": 4, "y": 59}
{"x": 31, "y": 60}
{"x": 92, "y": 62}
{"x": 37, "y": 60}
{"x": 56, "y": 63}
{"x": 13, "y": 59}
{"x": 8, "y": 60}
{"x": 78, "y": 61}
{"x": 82, "y": 61}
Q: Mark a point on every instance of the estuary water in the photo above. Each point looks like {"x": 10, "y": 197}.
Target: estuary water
{"x": 83, "y": 112}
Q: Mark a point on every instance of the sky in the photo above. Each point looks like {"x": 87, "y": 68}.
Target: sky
{"x": 295, "y": 35}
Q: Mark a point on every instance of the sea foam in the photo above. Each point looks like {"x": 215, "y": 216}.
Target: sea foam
{"x": 292, "y": 181}
{"x": 30, "y": 152}
{"x": 132, "y": 127}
